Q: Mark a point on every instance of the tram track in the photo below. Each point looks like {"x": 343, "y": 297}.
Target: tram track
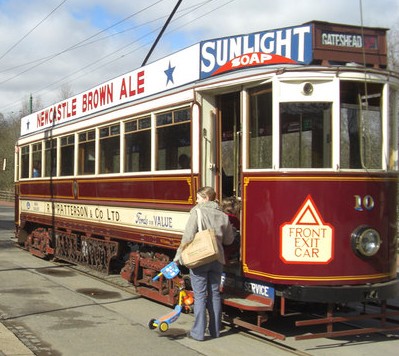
{"x": 273, "y": 343}
{"x": 117, "y": 282}
{"x": 289, "y": 346}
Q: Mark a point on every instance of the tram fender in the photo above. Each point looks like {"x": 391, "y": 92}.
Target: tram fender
{"x": 343, "y": 294}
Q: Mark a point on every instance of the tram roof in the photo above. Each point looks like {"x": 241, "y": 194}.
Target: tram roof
{"x": 312, "y": 43}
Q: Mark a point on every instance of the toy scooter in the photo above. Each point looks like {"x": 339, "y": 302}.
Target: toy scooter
{"x": 171, "y": 271}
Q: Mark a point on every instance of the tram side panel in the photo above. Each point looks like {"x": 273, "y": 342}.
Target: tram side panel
{"x": 145, "y": 210}
{"x": 299, "y": 229}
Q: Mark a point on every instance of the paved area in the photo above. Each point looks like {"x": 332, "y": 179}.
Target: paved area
{"x": 10, "y": 345}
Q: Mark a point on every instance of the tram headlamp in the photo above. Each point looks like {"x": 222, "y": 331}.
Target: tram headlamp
{"x": 366, "y": 241}
{"x": 307, "y": 88}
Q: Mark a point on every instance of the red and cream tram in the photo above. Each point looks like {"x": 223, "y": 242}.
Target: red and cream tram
{"x": 299, "y": 124}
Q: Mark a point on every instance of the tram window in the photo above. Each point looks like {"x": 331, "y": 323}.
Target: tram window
{"x": 37, "y": 160}
{"x": 110, "y": 149}
{"x": 260, "y": 139}
{"x": 305, "y": 137}
{"x": 138, "y": 145}
{"x": 173, "y": 139}
{"x": 50, "y": 158}
{"x": 25, "y": 162}
{"x": 361, "y": 126}
{"x": 67, "y": 154}
{"x": 393, "y": 129}
{"x": 86, "y": 163}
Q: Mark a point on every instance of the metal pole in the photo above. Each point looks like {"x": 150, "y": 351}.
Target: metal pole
{"x": 161, "y": 33}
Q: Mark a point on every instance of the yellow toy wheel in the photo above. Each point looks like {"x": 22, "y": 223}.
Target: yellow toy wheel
{"x": 164, "y": 326}
{"x": 151, "y": 324}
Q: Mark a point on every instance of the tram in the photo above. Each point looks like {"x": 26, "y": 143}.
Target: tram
{"x": 299, "y": 125}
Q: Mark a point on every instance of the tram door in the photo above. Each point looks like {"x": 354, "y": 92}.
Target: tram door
{"x": 229, "y": 128}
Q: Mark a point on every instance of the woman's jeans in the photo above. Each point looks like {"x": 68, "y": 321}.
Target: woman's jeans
{"x": 205, "y": 281}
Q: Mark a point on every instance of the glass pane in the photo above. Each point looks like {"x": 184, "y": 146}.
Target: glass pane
{"x": 50, "y": 158}
{"x": 393, "y": 129}
{"x": 361, "y": 126}
{"x": 182, "y": 115}
{"x": 164, "y": 119}
{"x": 173, "y": 141}
{"x": 305, "y": 137}
{"x": 67, "y": 155}
{"x": 25, "y": 162}
{"x": 87, "y": 158}
{"x": 104, "y": 132}
{"x": 260, "y": 128}
{"x": 138, "y": 151}
{"x": 145, "y": 123}
{"x": 115, "y": 130}
{"x": 110, "y": 155}
{"x": 91, "y": 135}
{"x": 131, "y": 126}
{"x": 67, "y": 160}
{"x": 37, "y": 160}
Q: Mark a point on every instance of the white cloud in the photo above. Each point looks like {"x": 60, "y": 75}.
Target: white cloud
{"x": 85, "y": 66}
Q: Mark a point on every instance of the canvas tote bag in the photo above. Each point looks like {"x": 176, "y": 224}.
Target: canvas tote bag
{"x": 203, "y": 249}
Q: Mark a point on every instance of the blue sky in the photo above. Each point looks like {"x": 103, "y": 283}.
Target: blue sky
{"x": 39, "y": 60}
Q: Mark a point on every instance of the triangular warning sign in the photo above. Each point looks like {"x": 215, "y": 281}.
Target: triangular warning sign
{"x": 307, "y": 214}
{"x": 307, "y": 238}
{"x": 307, "y": 217}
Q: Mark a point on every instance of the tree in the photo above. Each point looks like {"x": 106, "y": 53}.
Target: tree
{"x": 65, "y": 92}
{"x": 393, "y": 49}
{"x": 9, "y": 132}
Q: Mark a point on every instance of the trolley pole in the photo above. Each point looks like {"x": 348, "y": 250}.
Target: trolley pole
{"x": 161, "y": 33}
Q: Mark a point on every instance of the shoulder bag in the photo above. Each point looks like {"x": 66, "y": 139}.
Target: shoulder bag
{"x": 203, "y": 249}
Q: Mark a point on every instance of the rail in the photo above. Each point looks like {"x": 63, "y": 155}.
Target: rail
{"x": 6, "y": 195}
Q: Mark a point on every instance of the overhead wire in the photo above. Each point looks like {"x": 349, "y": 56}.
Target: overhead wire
{"x": 79, "y": 43}
{"x": 31, "y": 30}
{"x": 172, "y": 30}
{"x": 184, "y": 12}
{"x": 85, "y": 42}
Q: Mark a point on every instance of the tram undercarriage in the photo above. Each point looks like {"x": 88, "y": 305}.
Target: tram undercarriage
{"x": 241, "y": 309}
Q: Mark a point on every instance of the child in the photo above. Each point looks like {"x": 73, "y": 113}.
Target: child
{"x": 231, "y": 206}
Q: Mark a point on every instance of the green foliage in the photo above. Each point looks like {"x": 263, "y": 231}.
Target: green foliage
{"x": 393, "y": 49}
{"x": 9, "y": 132}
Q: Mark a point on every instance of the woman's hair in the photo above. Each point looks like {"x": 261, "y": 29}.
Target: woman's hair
{"x": 207, "y": 192}
{"x": 231, "y": 205}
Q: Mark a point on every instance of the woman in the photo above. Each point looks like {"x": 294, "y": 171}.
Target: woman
{"x": 205, "y": 280}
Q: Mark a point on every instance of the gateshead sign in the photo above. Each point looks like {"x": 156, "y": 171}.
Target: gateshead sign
{"x": 307, "y": 238}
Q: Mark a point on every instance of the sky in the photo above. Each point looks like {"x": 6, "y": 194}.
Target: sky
{"x": 48, "y": 47}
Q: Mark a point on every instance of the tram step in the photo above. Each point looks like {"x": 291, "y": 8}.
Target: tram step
{"x": 249, "y": 302}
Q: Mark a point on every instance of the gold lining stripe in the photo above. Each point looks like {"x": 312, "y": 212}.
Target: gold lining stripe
{"x": 321, "y": 179}
{"x": 187, "y": 179}
{"x": 318, "y": 278}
